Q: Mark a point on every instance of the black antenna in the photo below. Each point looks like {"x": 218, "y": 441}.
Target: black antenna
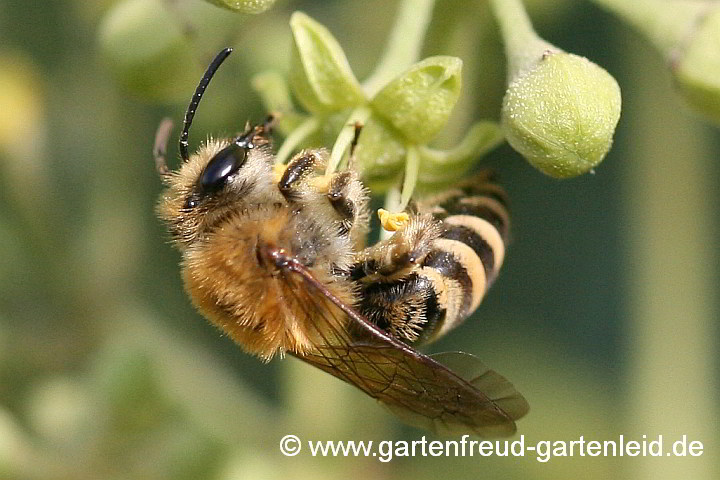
{"x": 195, "y": 100}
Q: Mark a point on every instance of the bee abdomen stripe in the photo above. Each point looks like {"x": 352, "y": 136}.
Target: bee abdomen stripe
{"x": 459, "y": 262}
{"x": 471, "y": 238}
{"x": 446, "y": 264}
{"x": 484, "y": 207}
{"x": 489, "y": 190}
{"x": 433, "y": 310}
{"x": 446, "y": 196}
{"x": 473, "y": 267}
{"x": 450, "y": 298}
{"x": 491, "y": 241}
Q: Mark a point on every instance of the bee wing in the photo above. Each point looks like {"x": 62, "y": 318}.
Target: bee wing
{"x": 423, "y": 392}
{"x": 417, "y": 388}
{"x": 492, "y": 384}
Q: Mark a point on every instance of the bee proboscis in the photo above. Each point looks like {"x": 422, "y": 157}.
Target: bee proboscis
{"x": 275, "y": 257}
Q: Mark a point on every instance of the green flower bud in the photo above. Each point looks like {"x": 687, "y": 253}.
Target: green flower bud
{"x": 697, "y": 67}
{"x": 418, "y": 103}
{"x": 147, "y": 52}
{"x": 320, "y": 75}
{"x": 244, "y": 6}
{"x": 561, "y": 114}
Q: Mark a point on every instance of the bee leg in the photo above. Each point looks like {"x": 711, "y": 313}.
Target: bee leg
{"x": 160, "y": 147}
{"x": 353, "y": 145}
{"x": 299, "y": 168}
{"x": 397, "y": 293}
{"x": 340, "y": 199}
{"x": 349, "y": 199}
{"x": 341, "y": 194}
{"x": 406, "y": 248}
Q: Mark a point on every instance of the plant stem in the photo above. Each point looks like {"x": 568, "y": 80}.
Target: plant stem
{"x": 666, "y": 24}
{"x": 405, "y": 43}
{"x": 447, "y": 165}
{"x": 412, "y": 165}
{"x": 523, "y": 47}
{"x": 345, "y": 138}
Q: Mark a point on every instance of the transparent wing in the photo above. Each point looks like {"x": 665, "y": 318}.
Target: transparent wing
{"x": 417, "y": 388}
{"x": 423, "y": 392}
{"x": 492, "y": 384}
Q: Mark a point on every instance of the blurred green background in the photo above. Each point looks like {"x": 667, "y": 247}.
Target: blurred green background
{"x": 605, "y": 314}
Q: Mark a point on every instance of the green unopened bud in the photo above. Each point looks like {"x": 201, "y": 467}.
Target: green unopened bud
{"x": 560, "y": 110}
{"x": 561, "y": 114}
{"x": 244, "y": 6}
{"x": 320, "y": 75}
{"x": 146, "y": 50}
{"x": 418, "y": 102}
{"x": 697, "y": 67}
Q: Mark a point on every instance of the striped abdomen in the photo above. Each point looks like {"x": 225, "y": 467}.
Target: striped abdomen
{"x": 419, "y": 302}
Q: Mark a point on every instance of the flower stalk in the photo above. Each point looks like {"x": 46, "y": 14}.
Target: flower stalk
{"x": 523, "y": 47}
{"x": 404, "y": 45}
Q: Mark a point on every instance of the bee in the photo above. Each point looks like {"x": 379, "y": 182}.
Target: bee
{"x": 275, "y": 257}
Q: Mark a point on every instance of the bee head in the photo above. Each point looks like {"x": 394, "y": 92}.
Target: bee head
{"x": 220, "y": 175}
{"x": 219, "y": 169}
{"x": 223, "y": 169}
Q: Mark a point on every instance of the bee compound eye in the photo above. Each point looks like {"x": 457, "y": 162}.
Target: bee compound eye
{"x": 224, "y": 164}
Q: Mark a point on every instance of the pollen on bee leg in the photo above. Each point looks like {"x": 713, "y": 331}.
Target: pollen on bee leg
{"x": 393, "y": 222}
{"x": 321, "y": 183}
{"x": 278, "y": 171}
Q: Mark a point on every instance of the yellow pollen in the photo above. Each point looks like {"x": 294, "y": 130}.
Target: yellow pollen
{"x": 392, "y": 222}
{"x": 278, "y": 171}
{"x": 321, "y": 183}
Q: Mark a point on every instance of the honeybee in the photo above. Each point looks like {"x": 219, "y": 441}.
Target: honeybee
{"x": 275, "y": 257}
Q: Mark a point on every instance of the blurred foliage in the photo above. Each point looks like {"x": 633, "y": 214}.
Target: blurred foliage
{"x": 605, "y": 315}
